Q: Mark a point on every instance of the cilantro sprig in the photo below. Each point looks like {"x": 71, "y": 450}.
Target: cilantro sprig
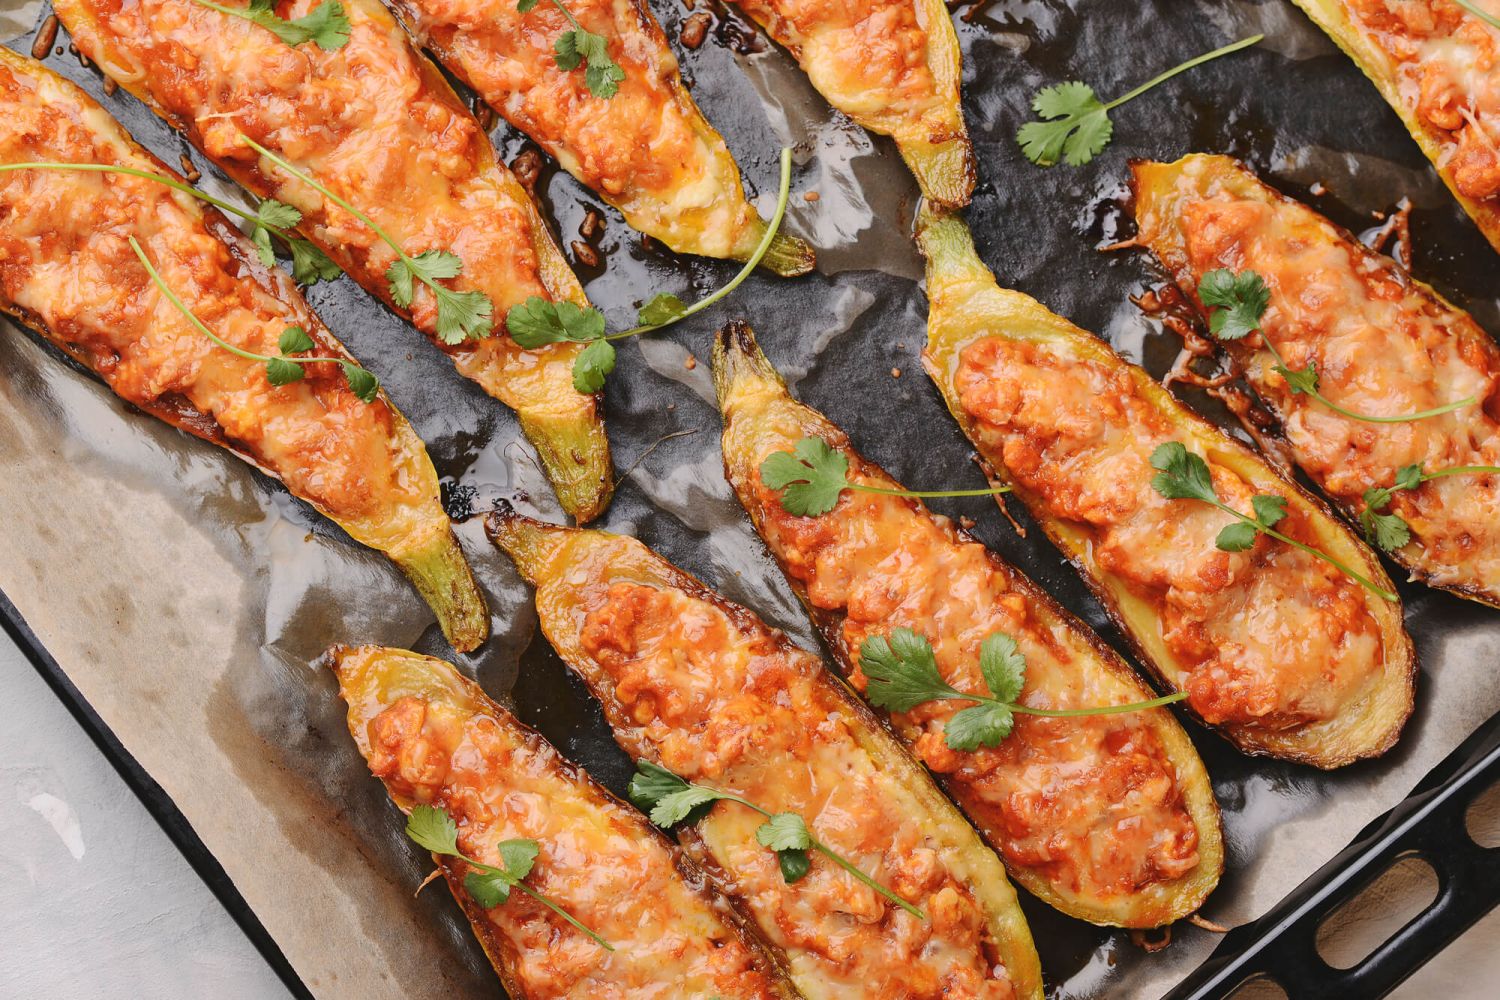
{"x": 670, "y": 800}
{"x": 580, "y": 46}
{"x": 325, "y": 25}
{"x": 270, "y": 218}
{"x": 812, "y": 477}
{"x": 490, "y": 886}
{"x": 1239, "y": 302}
{"x": 281, "y": 369}
{"x": 538, "y": 322}
{"x": 1183, "y": 475}
{"x": 1076, "y": 125}
{"x": 1390, "y": 531}
{"x": 902, "y": 673}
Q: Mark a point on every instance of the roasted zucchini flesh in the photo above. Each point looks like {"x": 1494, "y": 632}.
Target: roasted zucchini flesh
{"x": 1282, "y": 652}
{"x": 894, "y": 67}
{"x": 434, "y": 739}
{"x": 71, "y": 275}
{"x": 374, "y": 122}
{"x": 1109, "y": 818}
{"x": 702, "y": 688}
{"x": 1438, "y": 66}
{"x": 647, "y": 150}
{"x": 1382, "y": 344}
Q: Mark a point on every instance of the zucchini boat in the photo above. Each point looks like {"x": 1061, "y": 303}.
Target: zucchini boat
{"x": 434, "y": 739}
{"x": 374, "y": 122}
{"x": 1438, "y": 66}
{"x": 71, "y": 275}
{"x": 702, "y": 688}
{"x": 1109, "y": 818}
{"x": 1381, "y": 344}
{"x": 1286, "y": 655}
{"x": 647, "y": 150}
{"x": 894, "y": 67}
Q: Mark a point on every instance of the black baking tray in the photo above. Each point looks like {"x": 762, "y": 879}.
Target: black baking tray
{"x": 1037, "y": 229}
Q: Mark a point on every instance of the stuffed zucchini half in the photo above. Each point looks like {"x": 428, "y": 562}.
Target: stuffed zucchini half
{"x": 1109, "y": 818}
{"x": 894, "y": 67}
{"x": 434, "y": 739}
{"x": 72, "y": 275}
{"x": 374, "y": 122}
{"x": 702, "y": 688}
{"x": 1287, "y": 655}
{"x": 647, "y": 150}
{"x": 1381, "y": 343}
{"x": 1438, "y": 66}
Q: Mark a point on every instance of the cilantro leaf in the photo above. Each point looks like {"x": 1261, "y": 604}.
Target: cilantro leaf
{"x": 985, "y": 724}
{"x": 568, "y": 52}
{"x": 1269, "y": 509}
{"x": 1182, "y": 475}
{"x": 1409, "y": 477}
{"x": 462, "y": 315}
{"x": 794, "y": 864}
{"x": 526, "y": 6}
{"x": 667, "y": 798}
{"x": 362, "y": 381}
{"x": 784, "y": 832}
{"x": 433, "y": 829}
{"x": 1389, "y": 532}
{"x": 663, "y": 308}
{"x": 488, "y": 888}
{"x": 518, "y": 856}
{"x": 1241, "y": 300}
{"x": 593, "y": 363}
{"x": 811, "y": 477}
{"x": 283, "y": 371}
{"x": 261, "y": 237}
{"x": 294, "y": 340}
{"x": 277, "y": 215}
{"x": 1078, "y": 130}
{"x": 579, "y": 46}
{"x": 901, "y": 670}
{"x": 326, "y": 25}
{"x": 1299, "y": 379}
{"x": 538, "y": 322}
{"x": 311, "y": 265}
{"x": 1236, "y": 537}
{"x": 1003, "y": 666}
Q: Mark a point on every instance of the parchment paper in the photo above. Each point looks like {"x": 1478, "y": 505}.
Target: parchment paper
{"x": 186, "y": 596}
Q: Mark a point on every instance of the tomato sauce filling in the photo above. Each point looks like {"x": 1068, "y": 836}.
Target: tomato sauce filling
{"x": 1091, "y": 803}
{"x": 1381, "y": 346}
{"x": 1446, "y": 63}
{"x": 1271, "y": 637}
{"x": 729, "y": 703}
{"x": 65, "y": 262}
{"x": 597, "y": 860}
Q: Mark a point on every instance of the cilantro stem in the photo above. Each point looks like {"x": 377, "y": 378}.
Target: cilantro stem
{"x": 304, "y": 178}
{"x": 1317, "y": 394}
{"x": 920, "y": 494}
{"x": 1460, "y": 470}
{"x": 1489, "y": 19}
{"x": 568, "y": 14}
{"x": 750, "y": 265}
{"x": 105, "y": 168}
{"x": 1365, "y": 582}
{"x": 557, "y": 910}
{"x": 953, "y": 694}
{"x": 172, "y": 298}
{"x": 1243, "y": 43}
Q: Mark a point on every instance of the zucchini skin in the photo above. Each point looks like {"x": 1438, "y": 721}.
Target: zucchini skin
{"x": 651, "y": 125}
{"x": 1334, "y": 18}
{"x": 760, "y": 416}
{"x": 569, "y": 567}
{"x": 361, "y": 465}
{"x": 405, "y": 150}
{"x": 967, "y": 305}
{"x": 503, "y": 778}
{"x": 930, "y": 134}
{"x": 1161, "y": 188}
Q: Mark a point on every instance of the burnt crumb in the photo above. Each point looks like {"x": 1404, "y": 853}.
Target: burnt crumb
{"x": 895, "y": 373}
{"x": 738, "y": 34}
{"x": 690, "y": 363}
{"x": 459, "y": 499}
{"x": 586, "y": 255}
{"x": 188, "y": 170}
{"x": 110, "y": 86}
{"x": 695, "y": 29}
{"x": 648, "y": 244}
{"x": 810, "y": 196}
{"x": 592, "y": 226}
{"x": 45, "y": 36}
{"x": 671, "y": 407}
{"x": 484, "y": 114}
{"x": 966, "y": 522}
{"x": 527, "y": 166}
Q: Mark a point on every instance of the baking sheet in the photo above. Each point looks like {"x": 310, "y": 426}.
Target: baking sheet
{"x": 186, "y": 595}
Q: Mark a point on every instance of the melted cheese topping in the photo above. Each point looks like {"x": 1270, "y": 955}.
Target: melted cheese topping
{"x": 1446, "y": 64}
{"x": 647, "y": 149}
{"x": 67, "y": 268}
{"x": 725, "y": 701}
{"x": 1381, "y": 345}
{"x": 599, "y": 860}
{"x": 1092, "y": 804}
{"x": 1270, "y": 637}
{"x": 374, "y": 122}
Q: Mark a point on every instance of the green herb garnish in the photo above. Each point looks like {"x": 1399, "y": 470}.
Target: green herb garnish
{"x": 1078, "y": 127}
{"x": 1183, "y": 475}
{"x": 1240, "y": 301}
{"x": 813, "y": 476}
{"x": 281, "y": 369}
{"x": 1490, "y": 19}
{"x": 902, "y": 673}
{"x": 538, "y": 322}
{"x": 460, "y": 315}
{"x": 326, "y": 25}
{"x": 435, "y": 830}
{"x": 1390, "y": 531}
{"x": 670, "y": 800}
{"x": 582, "y": 47}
